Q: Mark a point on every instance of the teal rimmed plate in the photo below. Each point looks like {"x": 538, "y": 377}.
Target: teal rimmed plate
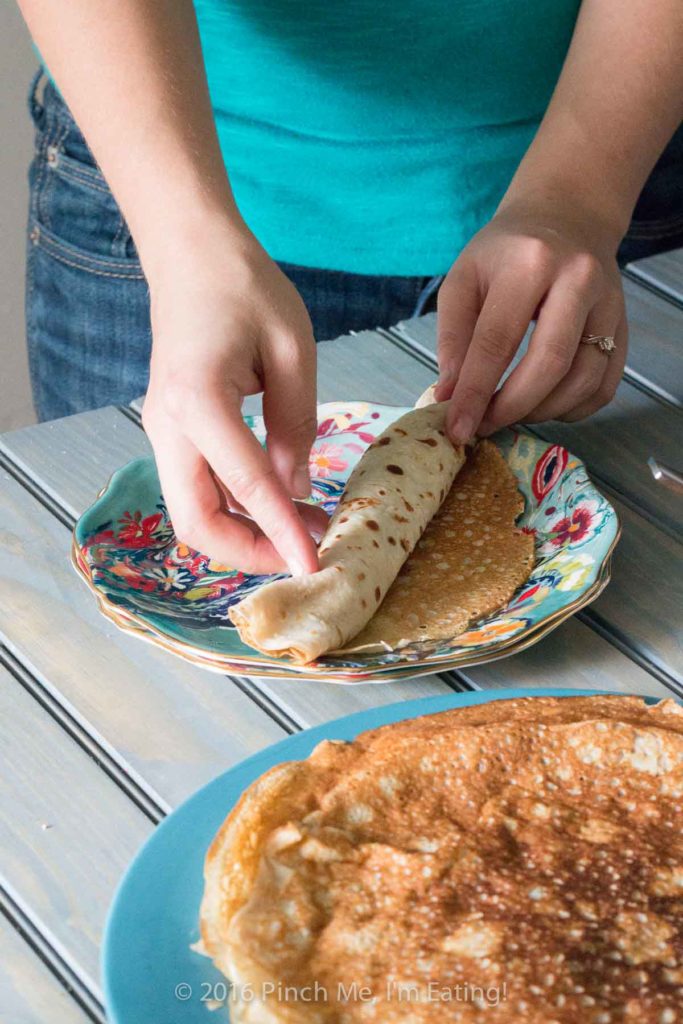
{"x": 150, "y": 973}
{"x": 125, "y": 549}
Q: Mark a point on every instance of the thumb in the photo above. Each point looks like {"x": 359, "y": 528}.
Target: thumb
{"x": 458, "y": 308}
{"x": 290, "y": 414}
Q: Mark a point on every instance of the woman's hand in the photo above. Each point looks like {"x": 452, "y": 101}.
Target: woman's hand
{"x": 226, "y": 322}
{"x": 555, "y": 266}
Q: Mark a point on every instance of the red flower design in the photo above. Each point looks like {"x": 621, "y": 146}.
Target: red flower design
{"x": 137, "y": 532}
{"x": 571, "y": 528}
{"x": 548, "y": 471}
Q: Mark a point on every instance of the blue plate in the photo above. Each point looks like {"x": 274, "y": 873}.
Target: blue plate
{"x": 149, "y": 971}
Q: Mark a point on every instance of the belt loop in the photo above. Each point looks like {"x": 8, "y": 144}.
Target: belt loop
{"x": 425, "y": 295}
{"x": 35, "y": 106}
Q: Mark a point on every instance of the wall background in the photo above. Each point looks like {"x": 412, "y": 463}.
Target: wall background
{"x": 17, "y": 63}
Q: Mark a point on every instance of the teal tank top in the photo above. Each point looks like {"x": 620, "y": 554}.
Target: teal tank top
{"x": 376, "y": 136}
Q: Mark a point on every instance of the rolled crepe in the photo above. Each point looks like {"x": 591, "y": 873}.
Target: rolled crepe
{"x": 389, "y": 499}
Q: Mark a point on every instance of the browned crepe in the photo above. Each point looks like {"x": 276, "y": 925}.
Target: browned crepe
{"x": 468, "y": 563}
{"x": 531, "y": 848}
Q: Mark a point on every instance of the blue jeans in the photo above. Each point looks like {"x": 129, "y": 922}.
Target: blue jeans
{"x": 87, "y": 303}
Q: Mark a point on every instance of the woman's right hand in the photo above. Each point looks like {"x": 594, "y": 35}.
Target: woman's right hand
{"x": 227, "y": 322}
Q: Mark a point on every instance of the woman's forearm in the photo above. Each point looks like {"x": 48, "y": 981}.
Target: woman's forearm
{"x": 618, "y": 101}
{"x": 133, "y": 75}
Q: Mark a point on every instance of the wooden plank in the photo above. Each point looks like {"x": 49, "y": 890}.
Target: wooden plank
{"x": 664, "y": 272}
{"x": 67, "y": 831}
{"x": 307, "y": 704}
{"x": 572, "y": 656}
{"x": 29, "y": 992}
{"x": 616, "y": 442}
{"x": 169, "y": 725}
{"x": 655, "y": 337}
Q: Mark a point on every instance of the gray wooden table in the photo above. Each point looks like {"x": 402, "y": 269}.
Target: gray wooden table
{"x": 103, "y": 735}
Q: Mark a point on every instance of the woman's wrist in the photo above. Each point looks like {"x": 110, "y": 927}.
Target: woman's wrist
{"x": 203, "y": 235}
{"x": 553, "y": 203}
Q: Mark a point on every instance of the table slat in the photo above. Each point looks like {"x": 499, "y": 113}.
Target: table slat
{"x": 170, "y": 726}
{"x": 572, "y": 656}
{"x": 655, "y": 336}
{"x": 68, "y": 832}
{"x": 29, "y": 992}
{"x": 663, "y": 272}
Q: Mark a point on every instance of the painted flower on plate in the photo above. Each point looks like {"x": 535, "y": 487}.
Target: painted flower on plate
{"x": 577, "y": 526}
{"x": 325, "y": 459}
{"x": 138, "y": 531}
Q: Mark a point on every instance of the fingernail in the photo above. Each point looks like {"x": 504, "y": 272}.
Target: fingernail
{"x": 447, "y": 379}
{"x": 461, "y": 429}
{"x": 302, "y": 482}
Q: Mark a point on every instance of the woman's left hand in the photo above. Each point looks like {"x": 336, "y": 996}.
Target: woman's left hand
{"x": 529, "y": 263}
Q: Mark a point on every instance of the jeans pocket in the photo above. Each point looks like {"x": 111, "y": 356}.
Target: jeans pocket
{"x": 71, "y": 203}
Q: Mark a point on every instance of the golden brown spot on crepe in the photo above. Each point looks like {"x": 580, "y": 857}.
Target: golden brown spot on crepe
{"x": 401, "y": 519}
{"x": 363, "y": 602}
{"x": 429, "y": 494}
{"x": 382, "y": 491}
{"x": 405, "y": 544}
{"x": 440, "y": 467}
{"x": 399, "y": 430}
{"x": 382, "y": 441}
{"x": 361, "y": 575}
{"x": 344, "y": 519}
{"x": 392, "y": 540}
{"x": 392, "y": 468}
{"x": 374, "y": 543}
{"x": 372, "y": 524}
{"x": 408, "y": 506}
{"x": 378, "y": 593}
{"x": 428, "y": 440}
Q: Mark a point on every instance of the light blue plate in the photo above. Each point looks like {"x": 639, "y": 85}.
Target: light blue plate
{"x": 150, "y": 973}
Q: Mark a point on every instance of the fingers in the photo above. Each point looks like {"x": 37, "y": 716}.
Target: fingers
{"x": 314, "y": 517}
{"x": 290, "y": 412}
{"x": 197, "y": 510}
{"x": 216, "y": 428}
{"x": 583, "y": 383}
{"x": 502, "y": 323}
{"x": 555, "y": 371}
{"x": 606, "y": 390}
{"x": 459, "y": 302}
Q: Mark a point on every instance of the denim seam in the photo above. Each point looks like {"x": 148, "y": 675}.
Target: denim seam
{"x": 652, "y": 230}
{"x": 120, "y": 240}
{"x": 61, "y": 252}
{"x": 47, "y": 182}
{"x": 83, "y": 178}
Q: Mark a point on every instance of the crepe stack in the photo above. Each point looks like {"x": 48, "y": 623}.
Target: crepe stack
{"x": 518, "y": 861}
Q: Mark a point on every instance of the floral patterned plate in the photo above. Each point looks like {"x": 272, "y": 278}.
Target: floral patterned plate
{"x": 149, "y": 584}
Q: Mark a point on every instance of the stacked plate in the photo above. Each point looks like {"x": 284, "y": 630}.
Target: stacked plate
{"x": 158, "y": 589}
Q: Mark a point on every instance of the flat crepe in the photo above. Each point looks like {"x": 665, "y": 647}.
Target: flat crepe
{"x": 389, "y": 499}
{"x": 467, "y": 564}
{"x": 527, "y": 849}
